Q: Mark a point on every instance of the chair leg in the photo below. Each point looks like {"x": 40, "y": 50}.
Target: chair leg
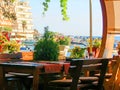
{"x": 14, "y": 84}
{"x": 27, "y": 83}
{"x": 19, "y": 85}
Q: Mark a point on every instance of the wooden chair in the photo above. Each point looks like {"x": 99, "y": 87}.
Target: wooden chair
{"x": 77, "y": 66}
{"x": 113, "y": 82}
{"x": 13, "y": 83}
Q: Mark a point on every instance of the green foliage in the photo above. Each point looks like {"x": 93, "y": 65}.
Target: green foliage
{"x": 48, "y": 35}
{"x": 5, "y": 28}
{"x": 46, "y": 48}
{"x": 45, "y": 5}
{"x": 12, "y": 1}
{"x": 10, "y": 46}
{"x": 8, "y": 29}
{"x": 97, "y": 42}
{"x": 63, "y": 5}
{"x": 64, "y": 40}
{"x": 1, "y": 28}
{"x": 2, "y": 39}
{"x": 77, "y": 52}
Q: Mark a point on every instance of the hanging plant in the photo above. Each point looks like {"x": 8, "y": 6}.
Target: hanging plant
{"x": 63, "y": 5}
{"x": 45, "y": 5}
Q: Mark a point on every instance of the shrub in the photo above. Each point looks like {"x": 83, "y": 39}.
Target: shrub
{"x": 46, "y": 48}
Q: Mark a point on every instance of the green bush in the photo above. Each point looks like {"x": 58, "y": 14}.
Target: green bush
{"x": 46, "y": 48}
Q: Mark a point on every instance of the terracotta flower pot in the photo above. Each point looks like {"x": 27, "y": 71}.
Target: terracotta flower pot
{"x": 95, "y": 51}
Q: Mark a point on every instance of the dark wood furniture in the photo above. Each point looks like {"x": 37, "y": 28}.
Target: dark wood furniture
{"x": 28, "y": 68}
{"x": 113, "y": 83}
{"x": 77, "y": 66}
{"x": 22, "y": 68}
{"x": 10, "y": 56}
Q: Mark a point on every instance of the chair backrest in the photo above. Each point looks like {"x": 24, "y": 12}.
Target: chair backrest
{"x": 79, "y": 65}
{"x": 113, "y": 82}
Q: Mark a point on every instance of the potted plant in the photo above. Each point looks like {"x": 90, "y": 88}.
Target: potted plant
{"x": 95, "y": 46}
{"x": 9, "y": 49}
{"x": 64, "y": 42}
{"x": 6, "y": 31}
{"x": 77, "y": 52}
{"x": 2, "y": 40}
{"x": 46, "y": 48}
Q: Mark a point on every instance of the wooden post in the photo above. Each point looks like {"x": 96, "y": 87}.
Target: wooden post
{"x": 90, "y": 2}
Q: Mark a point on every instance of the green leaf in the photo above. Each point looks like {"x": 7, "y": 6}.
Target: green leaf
{"x": 47, "y": 0}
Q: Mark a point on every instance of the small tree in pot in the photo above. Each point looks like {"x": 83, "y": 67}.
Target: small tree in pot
{"x": 46, "y": 48}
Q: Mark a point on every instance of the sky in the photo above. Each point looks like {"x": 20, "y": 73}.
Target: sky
{"x": 78, "y": 11}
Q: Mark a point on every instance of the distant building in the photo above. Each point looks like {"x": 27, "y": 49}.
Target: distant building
{"x": 23, "y": 28}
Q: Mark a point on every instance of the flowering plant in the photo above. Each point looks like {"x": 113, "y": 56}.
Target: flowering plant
{"x": 2, "y": 39}
{"x": 10, "y": 46}
{"x": 62, "y": 40}
{"x": 96, "y": 42}
{"x": 77, "y": 52}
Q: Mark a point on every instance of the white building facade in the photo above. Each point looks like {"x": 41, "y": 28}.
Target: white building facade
{"x": 22, "y": 10}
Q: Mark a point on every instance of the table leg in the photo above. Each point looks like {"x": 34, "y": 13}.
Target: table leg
{"x": 2, "y": 79}
{"x": 36, "y": 79}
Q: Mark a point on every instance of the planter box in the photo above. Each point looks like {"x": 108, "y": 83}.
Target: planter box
{"x": 27, "y": 55}
{"x": 11, "y": 56}
{"x": 63, "y": 52}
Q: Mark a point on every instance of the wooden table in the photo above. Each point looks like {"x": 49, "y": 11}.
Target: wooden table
{"x": 34, "y": 68}
{"x": 28, "y": 68}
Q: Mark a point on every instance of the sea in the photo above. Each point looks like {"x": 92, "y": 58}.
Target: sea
{"x": 30, "y": 44}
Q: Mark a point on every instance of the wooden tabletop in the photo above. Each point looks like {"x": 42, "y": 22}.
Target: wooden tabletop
{"x": 34, "y": 68}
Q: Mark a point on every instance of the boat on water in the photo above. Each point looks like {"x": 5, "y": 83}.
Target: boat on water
{"x": 28, "y": 45}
